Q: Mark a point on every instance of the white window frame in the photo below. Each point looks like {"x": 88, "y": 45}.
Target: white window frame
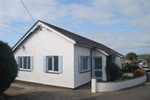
{"x": 86, "y": 62}
{"x": 52, "y": 64}
{"x": 23, "y": 62}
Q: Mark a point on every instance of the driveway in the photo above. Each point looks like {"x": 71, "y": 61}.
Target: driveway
{"x": 26, "y": 91}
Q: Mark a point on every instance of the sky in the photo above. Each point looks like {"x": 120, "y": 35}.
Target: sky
{"x": 123, "y": 25}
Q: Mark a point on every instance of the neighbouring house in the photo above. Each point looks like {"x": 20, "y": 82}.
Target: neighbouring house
{"x": 50, "y": 55}
{"x": 124, "y": 61}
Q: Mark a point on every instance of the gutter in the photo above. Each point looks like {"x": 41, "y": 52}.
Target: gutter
{"x": 91, "y": 58}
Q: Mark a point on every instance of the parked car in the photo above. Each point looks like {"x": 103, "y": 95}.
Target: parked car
{"x": 142, "y": 65}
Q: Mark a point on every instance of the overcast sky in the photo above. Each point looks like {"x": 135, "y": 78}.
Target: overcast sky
{"x": 123, "y": 25}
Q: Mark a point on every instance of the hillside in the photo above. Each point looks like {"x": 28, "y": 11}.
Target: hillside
{"x": 144, "y": 56}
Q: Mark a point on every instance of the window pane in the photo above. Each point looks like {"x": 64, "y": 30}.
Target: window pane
{"x": 55, "y": 63}
{"x": 81, "y": 64}
{"x": 25, "y": 63}
{"x": 98, "y": 73}
{"x": 84, "y": 63}
{"x": 50, "y": 63}
{"x": 98, "y": 63}
{"x": 20, "y": 62}
{"x": 28, "y": 62}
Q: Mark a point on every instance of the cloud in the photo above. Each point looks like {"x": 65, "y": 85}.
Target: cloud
{"x": 100, "y": 12}
{"x": 1, "y": 33}
{"x": 122, "y": 41}
{"x": 130, "y": 13}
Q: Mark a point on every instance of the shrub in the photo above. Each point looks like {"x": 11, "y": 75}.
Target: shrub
{"x": 125, "y": 69}
{"x": 138, "y": 73}
{"x": 132, "y": 66}
{"x": 8, "y": 67}
{"x": 112, "y": 70}
{"x": 132, "y": 70}
{"x": 125, "y": 78}
{"x": 141, "y": 70}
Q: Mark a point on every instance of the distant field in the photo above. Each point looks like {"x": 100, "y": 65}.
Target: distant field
{"x": 144, "y": 56}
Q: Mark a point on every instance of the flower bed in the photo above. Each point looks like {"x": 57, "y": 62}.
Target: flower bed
{"x": 126, "y": 77}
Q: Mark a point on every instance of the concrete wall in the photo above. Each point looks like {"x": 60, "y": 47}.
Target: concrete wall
{"x": 113, "y": 86}
{"x": 82, "y": 78}
{"x": 45, "y": 43}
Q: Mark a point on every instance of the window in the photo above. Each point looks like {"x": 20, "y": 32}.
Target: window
{"x": 52, "y": 63}
{"x": 84, "y": 63}
{"x": 24, "y": 62}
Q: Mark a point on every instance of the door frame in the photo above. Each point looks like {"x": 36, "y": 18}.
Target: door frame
{"x": 97, "y": 69}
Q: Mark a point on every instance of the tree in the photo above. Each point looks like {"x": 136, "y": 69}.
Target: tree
{"x": 132, "y": 56}
{"x": 8, "y": 67}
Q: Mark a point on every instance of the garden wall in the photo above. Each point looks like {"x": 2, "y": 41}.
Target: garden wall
{"x": 113, "y": 86}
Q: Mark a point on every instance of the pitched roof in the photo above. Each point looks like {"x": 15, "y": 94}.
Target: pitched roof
{"x": 83, "y": 40}
{"x": 79, "y": 39}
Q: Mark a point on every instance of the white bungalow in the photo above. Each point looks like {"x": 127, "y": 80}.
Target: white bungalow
{"x": 50, "y": 55}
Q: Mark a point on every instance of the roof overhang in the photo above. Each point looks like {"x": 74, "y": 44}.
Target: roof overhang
{"x": 103, "y": 52}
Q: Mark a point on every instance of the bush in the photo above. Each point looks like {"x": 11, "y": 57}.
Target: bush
{"x": 8, "y": 67}
{"x": 125, "y": 69}
{"x": 125, "y": 78}
{"x": 132, "y": 70}
{"x": 138, "y": 73}
{"x": 132, "y": 67}
{"x": 141, "y": 70}
{"x": 112, "y": 70}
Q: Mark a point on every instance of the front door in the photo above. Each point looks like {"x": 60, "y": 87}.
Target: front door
{"x": 98, "y": 68}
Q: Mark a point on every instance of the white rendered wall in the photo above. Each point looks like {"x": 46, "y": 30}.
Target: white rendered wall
{"x": 82, "y": 78}
{"x": 113, "y": 86}
{"x": 46, "y": 43}
{"x": 96, "y": 54}
{"x": 118, "y": 61}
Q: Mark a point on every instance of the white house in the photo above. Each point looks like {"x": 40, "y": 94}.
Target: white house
{"x": 50, "y": 55}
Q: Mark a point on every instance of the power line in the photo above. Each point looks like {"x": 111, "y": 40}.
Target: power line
{"x": 14, "y": 22}
{"x": 27, "y": 10}
{"x": 10, "y": 30}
